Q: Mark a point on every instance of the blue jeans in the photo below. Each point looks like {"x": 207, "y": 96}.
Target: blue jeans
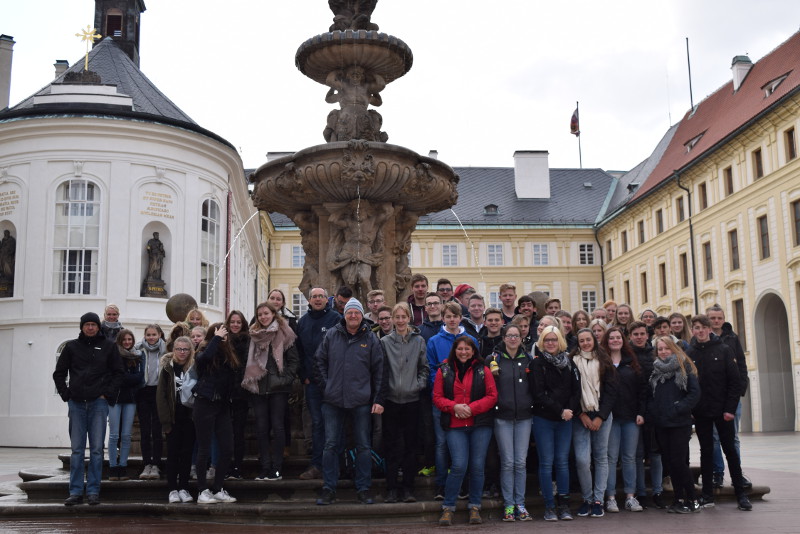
{"x": 334, "y": 444}
{"x": 719, "y": 465}
{"x": 623, "y": 441}
{"x": 513, "y": 439}
{"x": 441, "y": 447}
{"x": 591, "y": 447}
{"x": 87, "y": 418}
{"x": 120, "y": 423}
{"x": 553, "y": 440}
{"x": 314, "y": 403}
{"x": 467, "y": 446}
{"x": 656, "y": 467}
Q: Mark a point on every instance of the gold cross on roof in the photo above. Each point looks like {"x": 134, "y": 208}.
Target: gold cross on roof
{"x": 89, "y": 35}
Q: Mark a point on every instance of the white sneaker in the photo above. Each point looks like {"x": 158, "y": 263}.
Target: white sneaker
{"x": 222, "y": 496}
{"x": 174, "y": 497}
{"x": 185, "y": 496}
{"x": 145, "y": 473}
{"x": 211, "y": 473}
{"x": 206, "y": 497}
{"x": 155, "y": 474}
{"x": 611, "y": 506}
{"x": 632, "y": 505}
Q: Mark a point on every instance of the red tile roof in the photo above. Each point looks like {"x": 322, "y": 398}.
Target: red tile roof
{"x": 724, "y": 111}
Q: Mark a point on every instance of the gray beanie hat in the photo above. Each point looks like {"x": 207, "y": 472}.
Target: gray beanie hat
{"x": 354, "y": 304}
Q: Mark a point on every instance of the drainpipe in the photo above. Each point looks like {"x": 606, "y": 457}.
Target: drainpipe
{"x": 691, "y": 239}
{"x": 602, "y": 265}
{"x": 227, "y": 262}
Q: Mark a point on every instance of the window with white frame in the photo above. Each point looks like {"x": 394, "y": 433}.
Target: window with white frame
{"x": 76, "y": 240}
{"x": 494, "y": 300}
{"x": 541, "y": 254}
{"x": 449, "y": 255}
{"x": 589, "y": 300}
{"x": 209, "y": 252}
{"x": 586, "y": 253}
{"x": 298, "y": 257}
{"x": 495, "y": 255}
{"x": 299, "y": 304}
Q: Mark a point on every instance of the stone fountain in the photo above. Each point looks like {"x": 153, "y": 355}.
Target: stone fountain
{"x": 356, "y": 199}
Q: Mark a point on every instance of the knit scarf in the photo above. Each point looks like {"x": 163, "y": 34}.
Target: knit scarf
{"x": 664, "y": 370}
{"x": 560, "y": 360}
{"x": 129, "y": 358}
{"x": 261, "y": 340}
{"x": 589, "y": 366}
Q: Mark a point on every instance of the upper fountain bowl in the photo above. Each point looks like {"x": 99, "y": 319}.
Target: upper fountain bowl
{"x": 376, "y": 52}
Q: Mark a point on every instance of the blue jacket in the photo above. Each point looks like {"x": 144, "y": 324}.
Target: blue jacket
{"x": 439, "y": 349}
{"x": 311, "y": 328}
{"x": 349, "y": 368}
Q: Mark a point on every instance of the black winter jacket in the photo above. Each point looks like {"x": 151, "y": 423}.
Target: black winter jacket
{"x": 720, "y": 382}
{"x": 730, "y": 338}
{"x": 311, "y": 328}
{"x": 514, "y": 400}
{"x": 631, "y": 392}
{"x": 215, "y": 378}
{"x": 94, "y": 367}
{"x": 669, "y": 406}
{"x": 429, "y": 328}
{"x": 132, "y": 380}
{"x": 555, "y": 390}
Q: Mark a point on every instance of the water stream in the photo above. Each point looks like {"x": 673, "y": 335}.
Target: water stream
{"x": 225, "y": 260}
{"x": 471, "y": 244}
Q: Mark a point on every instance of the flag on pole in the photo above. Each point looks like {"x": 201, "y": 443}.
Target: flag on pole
{"x": 574, "y": 124}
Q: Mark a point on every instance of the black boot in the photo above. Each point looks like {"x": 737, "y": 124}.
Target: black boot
{"x": 563, "y": 508}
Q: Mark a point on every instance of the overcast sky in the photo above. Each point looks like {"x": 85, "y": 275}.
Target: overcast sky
{"x": 488, "y": 78}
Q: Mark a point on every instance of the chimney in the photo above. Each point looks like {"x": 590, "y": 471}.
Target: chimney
{"x": 531, "y": 174}
{"x": 61, "y": 66}
{"x": 433, "y": 154}
{"x": 740, "y": 66}
{"x": 6, "y": 53}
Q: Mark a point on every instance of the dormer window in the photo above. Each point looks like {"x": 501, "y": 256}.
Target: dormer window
{"x": 770, "y": 87}
{"x": 491, "y": 209}
{"x": 690, "y": 144}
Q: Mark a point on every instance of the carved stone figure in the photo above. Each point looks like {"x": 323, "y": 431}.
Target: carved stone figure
{"x": 8, "y": 254}
{"x": 352, "y": 14}
{"x": 155, "y": 255}
{"x": 308, "y": 224}
{"x": 354, "y": 89}
{"x": 353, "y": 255}
{"x": 405, "y": 223}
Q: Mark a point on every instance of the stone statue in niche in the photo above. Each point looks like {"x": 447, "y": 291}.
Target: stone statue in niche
{"x": 153, "y": 285}
{"x": 354, "y": 89}
{"x": 355, "y": 251}
{"x": 309, "y": 238}
{"x": 8, "y": 259}
{"x": 352, "y": 14}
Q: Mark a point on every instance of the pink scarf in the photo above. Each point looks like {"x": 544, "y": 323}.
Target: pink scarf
{"x": 274, "y": 336}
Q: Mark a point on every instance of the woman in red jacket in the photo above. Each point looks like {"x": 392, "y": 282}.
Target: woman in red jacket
{"x": 465, "y": 392}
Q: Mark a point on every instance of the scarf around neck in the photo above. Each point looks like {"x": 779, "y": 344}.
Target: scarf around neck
{"x": 664, "y": 370}
{"x": 560, "y": 360}
{"x": 589, "y": 367}
{"x": 262, "y": 340}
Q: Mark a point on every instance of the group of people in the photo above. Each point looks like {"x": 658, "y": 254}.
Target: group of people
{"x": 442, "y": 378}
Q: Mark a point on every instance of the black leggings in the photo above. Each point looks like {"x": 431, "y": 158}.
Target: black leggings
{"x": 152, "y": 442}
{"x": 212, "y": 418}
{"x": 269, "y": 411}
{"x": 674, "y": 442}
{"x": 180, "y": 442}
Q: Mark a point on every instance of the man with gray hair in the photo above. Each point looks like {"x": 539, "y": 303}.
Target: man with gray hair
{"x": 311, "y": 328}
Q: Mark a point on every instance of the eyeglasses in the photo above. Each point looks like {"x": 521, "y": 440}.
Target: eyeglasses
{"x": 181, "y": 350}
{"x": 384, "y": 318}
{"x": 512, "y": 336}
{"x": 380, "y": 301}
{"x": 446, "y": 289}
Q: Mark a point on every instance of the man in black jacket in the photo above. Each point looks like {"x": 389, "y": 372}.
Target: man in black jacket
{"x": 720, "y": 385}
{"x": 725, "y": 332}
{"x": 311, "y": 328}
{"x": 95, "y": 372}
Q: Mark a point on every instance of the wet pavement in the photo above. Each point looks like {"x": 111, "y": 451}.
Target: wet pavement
{"x": 770, "y": 459}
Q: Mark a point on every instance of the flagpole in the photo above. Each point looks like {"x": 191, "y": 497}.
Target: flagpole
{"x": 580, "y": 154}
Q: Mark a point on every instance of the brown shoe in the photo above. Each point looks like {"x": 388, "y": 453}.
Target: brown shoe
{"x": 312, "y": 473}
{"x": 475, "y": 516}
{"x": 446, "y": 518}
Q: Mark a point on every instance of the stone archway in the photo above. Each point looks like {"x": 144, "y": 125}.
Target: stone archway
{"x": 774, "y": 365}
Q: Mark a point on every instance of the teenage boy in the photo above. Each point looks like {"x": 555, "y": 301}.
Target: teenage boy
{"x": 433, "y": 307}
{"x": 473, "y": 322}
{"x": 566, "y": 328}
{"x": 430, "y": 327}
{"x": 661, "y": 326}
{"x": 437, "y": 352}
{"x": 445, "y": 289}
{"x": 383, "y": 323}
{"x": 493, "y": 322}
{"x": 375, "y": 299}
{"x": 725, "y": 332}
{"x": 552, "y": 306}
{"x": 720, "y": 385}
{"x": 508, "y": 296}
{"x": 419, "y": 289}
{"x": 522, "y": 321}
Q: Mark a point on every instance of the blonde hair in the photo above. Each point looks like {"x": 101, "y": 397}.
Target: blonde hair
{"x": 203, "y": 320}
{"x": 562, "y": 344}
{"x": 401, "y": 306}
{"x": 685, "y": 363}
{"x": 190, "y": 360}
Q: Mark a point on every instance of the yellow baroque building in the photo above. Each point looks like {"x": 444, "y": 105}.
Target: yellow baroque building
{"x": 711, "y": 216}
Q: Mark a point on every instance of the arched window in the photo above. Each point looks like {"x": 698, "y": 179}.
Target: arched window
{"x": 209, "y": 252}
{"x": 76, "y": 242}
